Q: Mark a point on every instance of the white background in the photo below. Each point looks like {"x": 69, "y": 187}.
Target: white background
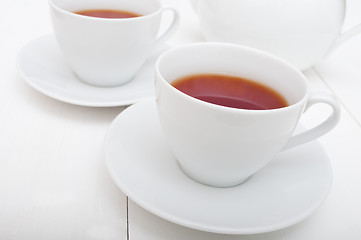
{"x": 53, "y": 181}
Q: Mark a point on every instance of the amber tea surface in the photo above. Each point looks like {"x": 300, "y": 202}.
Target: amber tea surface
{"x": 230, "y": 91}
{"x": 107, "y": 13}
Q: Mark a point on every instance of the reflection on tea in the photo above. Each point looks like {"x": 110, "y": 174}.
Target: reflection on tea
{"x": 230, "y": 91}
{"x": 107, "y": 13}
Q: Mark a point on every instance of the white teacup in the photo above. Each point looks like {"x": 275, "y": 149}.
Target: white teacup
{"x": 300, "y": 31}
{"x": 223, "y": 146}
{"x": 104, "y": 51}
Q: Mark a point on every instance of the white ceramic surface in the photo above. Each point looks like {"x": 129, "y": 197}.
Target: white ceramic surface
{"x": 300, "y": 31}
{"x": 284, "y": 193}
{"x": 53, "y": 180}
{"x": 223, "y": 146}
{"x": 108, "y": 52}
{"x": 43, "y": 67}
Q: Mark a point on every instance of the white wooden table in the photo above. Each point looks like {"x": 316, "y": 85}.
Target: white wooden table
{"x": 53, "y": 180}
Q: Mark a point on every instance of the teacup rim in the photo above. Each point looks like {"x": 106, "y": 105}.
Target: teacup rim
{"x": 99, "y": 19}
{"x": 302, "y": 100}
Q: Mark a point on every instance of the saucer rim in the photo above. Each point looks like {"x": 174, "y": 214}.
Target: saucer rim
{"x": 207, "y": 228}
{"x": 147, "y": 93}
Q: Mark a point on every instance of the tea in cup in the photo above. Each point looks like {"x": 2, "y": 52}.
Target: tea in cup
{"x": 106, "y": 42}
{"x": 226, "y": 110}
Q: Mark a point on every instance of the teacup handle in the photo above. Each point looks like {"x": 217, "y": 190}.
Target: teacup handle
{"x": 322, "y": 128}
{"x": 171, "y": 28}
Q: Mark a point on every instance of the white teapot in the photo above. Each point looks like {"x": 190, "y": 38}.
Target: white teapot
{"x": 299, "y": 31}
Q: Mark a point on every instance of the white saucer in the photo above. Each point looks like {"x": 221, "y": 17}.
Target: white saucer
{"x": 43, "y": 67}
{"x": 285, "y": 192}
